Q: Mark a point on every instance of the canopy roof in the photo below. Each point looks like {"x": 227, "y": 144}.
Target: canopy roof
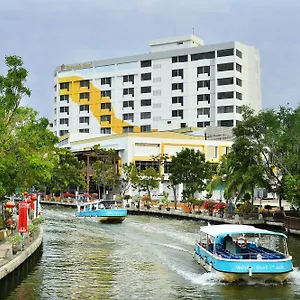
{"x": 221, "y": 230}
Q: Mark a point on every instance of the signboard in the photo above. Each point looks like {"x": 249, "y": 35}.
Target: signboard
{"x": 22, "y": 222}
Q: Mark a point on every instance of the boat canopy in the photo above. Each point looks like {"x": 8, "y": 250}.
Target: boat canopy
{"x": 221, "y": 230}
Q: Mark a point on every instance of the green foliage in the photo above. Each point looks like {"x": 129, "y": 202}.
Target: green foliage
{"x": 38, "y": 220}
{"x": 145, "y": 180}
{"x": 189, "y": 167}
{"x": 33, "y": 228}
{"x": 67, "y": 170}
{"x": 26, "y": 143}
{"x": 246, "y": 208}
{"x": 266, "y": 152}
{"x": 14, "y": 239}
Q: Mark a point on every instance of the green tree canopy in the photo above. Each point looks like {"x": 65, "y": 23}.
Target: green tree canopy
{"x": 26, "y": 144}
{"x": 189, "y": 167}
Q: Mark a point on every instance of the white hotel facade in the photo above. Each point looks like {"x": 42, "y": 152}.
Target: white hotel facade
{"x": 180, "y": 83}
{"x": 172, "y": 98}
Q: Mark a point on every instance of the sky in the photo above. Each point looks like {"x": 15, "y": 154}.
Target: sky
{"x": 48, "y": 33}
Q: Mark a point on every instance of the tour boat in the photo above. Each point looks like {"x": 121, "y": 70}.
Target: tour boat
{"x": 243, "y": 252}
{"x": 105, "y": 210}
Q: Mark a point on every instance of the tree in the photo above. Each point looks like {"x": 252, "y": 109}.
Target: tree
{"x": 26, "y": 144}
{"x": 104, "y": 167}
{"x": 267, "y": 148}
{"x": 67, "y": 170}
{"x": 189, "y": 167}
{"x": 129, "y": 175}
{"x": 144, "y": 180}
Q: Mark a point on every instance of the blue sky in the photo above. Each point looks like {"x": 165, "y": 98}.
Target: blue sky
{"x": 47, "y": 33}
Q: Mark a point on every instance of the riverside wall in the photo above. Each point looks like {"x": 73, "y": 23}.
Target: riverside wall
{"x": 13, "y": 262}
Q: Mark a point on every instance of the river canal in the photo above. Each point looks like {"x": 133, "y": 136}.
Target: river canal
{"x": 143, "y": 258}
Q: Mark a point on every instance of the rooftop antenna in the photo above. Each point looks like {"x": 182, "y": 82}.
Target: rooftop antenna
{"x": 193, "y": 30}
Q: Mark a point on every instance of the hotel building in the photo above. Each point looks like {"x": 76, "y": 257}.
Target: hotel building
{"x": 180, "y": 83}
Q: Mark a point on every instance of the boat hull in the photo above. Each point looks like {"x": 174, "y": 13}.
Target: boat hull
{"x": 105, "y": 215}
{"x": 244, "y": 270}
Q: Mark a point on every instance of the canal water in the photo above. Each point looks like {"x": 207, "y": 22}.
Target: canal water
{"x": 142, "y": 258}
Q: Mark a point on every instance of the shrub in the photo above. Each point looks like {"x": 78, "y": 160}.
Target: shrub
{"x": 246, "y": 208}
{"x": 221, "y": 206}
{"x": 209, "y": 205}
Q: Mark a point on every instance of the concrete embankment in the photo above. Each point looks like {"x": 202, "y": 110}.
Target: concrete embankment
{"x": 13, "y": 262}
{"x": 177, "y": 213}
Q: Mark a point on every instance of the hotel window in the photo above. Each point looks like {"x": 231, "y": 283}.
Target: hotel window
{"x": 203, "y": 84}
{"x": 238, "y": 82}
{"x": 84, "y": 108}
{"x": 127, "y": 129}
{"x": 177, "y": 86}
{"x": 84, "y": 120}
{"x": 145, "y": 76}
{"x": 203, "y": 97}
{"x": 203, "y": 55}
{"x": 239, "y": 68}
{"x": 225, "y": 123}
{"x": 239, "y": 96}
{"x": 145, "y": 128}
{"x": 225, "y": 109}
{"x": 203, "y": 124}
{"x": 177, "y": 73}
{"x": 203, "y": 111}
{"x": 128, "y": 117}
{"x": 181, "y": 58}
{"x": 146, "y": 63}
{"x": 146, "y": 115}
{"x": 105, "y": 130}
{"x": 84, "y": 130}
{"x": 178, "y": 99}
{"x": 106, "y": 93}
{"x": 63, "y": 132}
{"x": 106, "y": 80}
{"x": 146, "y": 102}
{"x": 64, "y": 121}
{"x": 128, "y": 104}
{"x": 128, "y": 78}
{"x": 145, "y": 89}
{"x": 64, "y": 85}
{"x": 129, "y": 91}
{"x": 64, "y": 98}
{"x": 105, "y": 118}
{"x": 85, "y": 83}
{"x": 225, "y": 81}
{"x": 238, "y": 53}
{"x": 238, "y": 110}
{"x": 106, "y": 105}
{"x": 85, "y": 95}
{"x": 177, "y": 113}
{"x": 55, "y": 88}
{"x": 64, "y": 109}
{"x": 203, "y": 70}
{"x": 225, "y": 95}
{"x": 225, "y": 67}
{"x": 225, "y": 52}
{"x": 143, "y": 165}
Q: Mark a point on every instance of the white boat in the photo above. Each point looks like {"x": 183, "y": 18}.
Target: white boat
{"x": 242, "y": 252}
{"x": 106, "y": 211}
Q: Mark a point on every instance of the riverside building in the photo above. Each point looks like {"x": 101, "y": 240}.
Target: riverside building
{"x": 180, "y": 83}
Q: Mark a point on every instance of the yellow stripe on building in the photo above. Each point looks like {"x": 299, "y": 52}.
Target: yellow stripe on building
{"x": 94, "y": 103}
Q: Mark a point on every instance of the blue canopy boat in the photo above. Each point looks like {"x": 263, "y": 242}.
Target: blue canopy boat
{"x": 106, "y": 210}
{"x": 242, "y": 252}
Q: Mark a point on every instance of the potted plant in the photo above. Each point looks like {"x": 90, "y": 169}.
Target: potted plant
{"x": 15, "y": 241}
{"x": 136, "y": 200}
{"x": 209, "y": 205}
{"x": 245, "y": 209}
{"x": 146, "y": 199}
{"x": 32, "y": 228}
{"x": 220, "y": 208}
{"x": 166, "y": 201}
{"x": 127, "y": 197}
